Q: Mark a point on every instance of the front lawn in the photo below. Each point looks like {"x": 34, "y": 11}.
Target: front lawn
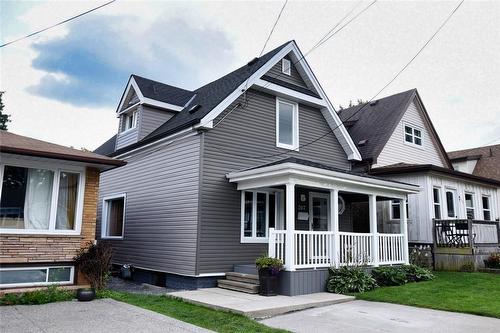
{"x": 475, "y": 293}
{"x": 219, "y": 321}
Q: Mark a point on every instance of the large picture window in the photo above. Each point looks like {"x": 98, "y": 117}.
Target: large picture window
{"x": 40, "y": 200}
{"x": 113, "y": 216}
{"x": 287, "y": 124}
{"x": 260, "y": 210}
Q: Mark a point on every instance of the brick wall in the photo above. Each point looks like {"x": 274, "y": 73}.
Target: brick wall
{"x": 17, "y": 248}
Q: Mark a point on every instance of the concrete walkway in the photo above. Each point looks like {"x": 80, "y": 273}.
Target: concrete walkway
{"x": 256, "y": 306}
{"x": 362, "y": 316}
{"x": 103, "y": 315}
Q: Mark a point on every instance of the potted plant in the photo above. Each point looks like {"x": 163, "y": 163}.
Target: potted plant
{"x": 94, "y": 262}
{"x": 269, "y": 269}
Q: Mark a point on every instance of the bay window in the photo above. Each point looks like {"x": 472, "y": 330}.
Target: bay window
{"x": 39, "y": 198}
{"x": 436, "y": 191}
{"x": 486, "y": 207}
{"x": 469, "y": 205}
{"x": 287, "y": 124}
{"x": 260, "y": 210}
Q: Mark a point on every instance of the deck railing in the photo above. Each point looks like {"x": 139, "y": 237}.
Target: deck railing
{"x": 465, "y": 232}
{"x": 355, "y": 248}
{"x": 391, "y": 249}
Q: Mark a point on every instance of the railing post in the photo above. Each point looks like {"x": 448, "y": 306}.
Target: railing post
{"x": 290, "y": 227}
{"x": 271, "y": 249}
{"x": 334, "y": 227}
{"x": 404, "y": 229}
{"x": 372, "y": 205}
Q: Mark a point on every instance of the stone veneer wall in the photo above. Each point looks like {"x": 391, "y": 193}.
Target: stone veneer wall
{"x": 27, "y": 249}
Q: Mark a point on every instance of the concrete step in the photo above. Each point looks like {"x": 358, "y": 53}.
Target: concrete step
{"x": 248, "y": 288}
{"x": 241, "y": 277}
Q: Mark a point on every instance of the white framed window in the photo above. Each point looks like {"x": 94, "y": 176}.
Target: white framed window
{"x": 113, "y": 216}
{"x": 469, "y": 206}
{"x": 485, "y": 200}
{"x": 287, "y": 124}
{"x": 129, "y": 120}
{"x": 436, "y": 196}
{"x": 286, "y": 66}
{"x": 413, "y": 135}
{"x": 451, "y": 202}
{"x": 260, "y": 210}
{"x": 396, "y": 210}
{"x": 39, "y": 197}
{"x": 35, "y": 276}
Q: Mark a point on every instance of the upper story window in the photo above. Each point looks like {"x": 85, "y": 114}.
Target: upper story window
{"x": 287, "y": 124}
{"x": 113, "y": 216}
{"x": 486, "y": 207}
{"x": 436, "y": 192}
{"x": 286, "y": 66}
{"x": 38, "y": 199}
{"x": 413, "y": 135}
{"x": 469, "y": 205}
{"x": 129, "y": 120}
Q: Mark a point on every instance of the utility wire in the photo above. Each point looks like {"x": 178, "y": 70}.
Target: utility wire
{"x": 274, "y": 26}
{"x": 57, "y": 24}
{"x": 362, "y": 107}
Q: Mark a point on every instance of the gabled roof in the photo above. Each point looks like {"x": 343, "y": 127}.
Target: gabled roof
{"x": 372, "y": 125}
{"x": 163, "y": 92}
{"x": 22, "y": 145}
{"x": 488, "y": 164}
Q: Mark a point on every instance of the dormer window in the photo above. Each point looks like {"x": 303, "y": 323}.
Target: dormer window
{"x": 286, "y": 67}
{"x": 413, "y": 135}
{"x": 129, "y": 121}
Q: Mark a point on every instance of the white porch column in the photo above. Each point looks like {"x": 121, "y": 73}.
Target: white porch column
{"x": 372, "y": 204}
{"x": 404, "y": 229}
{"x": 334, "y": 227}
{"x": 290, "y": 227}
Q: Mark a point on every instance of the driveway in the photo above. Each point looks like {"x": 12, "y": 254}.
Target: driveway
{"x": 103, "y": 315}
{"x": 363, "y": 316}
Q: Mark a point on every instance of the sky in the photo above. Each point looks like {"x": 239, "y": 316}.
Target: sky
{"x": 64, "y": 85}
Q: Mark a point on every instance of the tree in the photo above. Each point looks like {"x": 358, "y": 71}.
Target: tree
{"x": 351, "y": 103}
{"x": 4, "y": 118}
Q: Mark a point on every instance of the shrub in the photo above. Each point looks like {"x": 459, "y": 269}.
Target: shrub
{"x": 468, "y": 267}
{"x": 349, "y": 279}
{"x": 415, "y": 273}
{"x": 273, "y": 264}
{"x": 389, "y": 276}
{"x": 493, "y": 261}
{"x": 43, "y": 296}
{"x": 420, "y": 255}
{"x": 95, "y": 263}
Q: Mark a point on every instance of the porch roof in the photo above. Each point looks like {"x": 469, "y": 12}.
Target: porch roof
{"x": 309, "y": 173}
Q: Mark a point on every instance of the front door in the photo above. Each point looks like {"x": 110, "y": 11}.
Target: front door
{"x": 319, "y": 211}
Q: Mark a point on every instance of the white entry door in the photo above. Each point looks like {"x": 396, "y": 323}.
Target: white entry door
{"x": 319, "y": 211}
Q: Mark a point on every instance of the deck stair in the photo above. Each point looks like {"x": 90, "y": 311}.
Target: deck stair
{"x": 247, "y": 283}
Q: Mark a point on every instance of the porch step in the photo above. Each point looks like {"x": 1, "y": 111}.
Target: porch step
{"x": 242, "y": 277}
{"x": 245, "y": 287}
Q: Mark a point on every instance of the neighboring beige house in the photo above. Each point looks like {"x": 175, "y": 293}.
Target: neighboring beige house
{"x": 48, "y": 202}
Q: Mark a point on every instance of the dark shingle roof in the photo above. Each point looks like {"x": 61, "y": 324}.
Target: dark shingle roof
{"x": 375, "y": 122}
{"x": 107, "y": 147}
{"x": 163, "y": 92}
{"x": 488, "y": 164}
{"x": 207, "y": 97}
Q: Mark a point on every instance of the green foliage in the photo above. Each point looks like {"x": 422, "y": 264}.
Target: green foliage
{"x": 493, "y": 261}
{"x": 43, "y": 296}
{"x": 95, "y": 263}
{"x": 4, "y": 118}
{"x": 348, "y": 279}
{"x": 420, "y": 255}
{"x": 269, "y": 262}
{"x": 389, "y": 276}
{"x": 468, "y": 267}
{"x": 416, "y": 274}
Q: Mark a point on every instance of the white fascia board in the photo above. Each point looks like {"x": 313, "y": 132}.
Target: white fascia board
{"x": 281, "y": 91}
{"x": 163, "y": 105}
{"x": 317, "y": 173}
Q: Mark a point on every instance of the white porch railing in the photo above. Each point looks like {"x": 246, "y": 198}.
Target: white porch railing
{"x": 391, "y": 248}
{"x": 355, "y": 248}
{"x": 316, "y": 249}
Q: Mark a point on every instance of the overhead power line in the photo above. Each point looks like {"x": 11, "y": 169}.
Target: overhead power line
{"x": 274, "y": 26}
{"x": 57, "y": 24}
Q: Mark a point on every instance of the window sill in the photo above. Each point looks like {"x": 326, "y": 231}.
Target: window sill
{"x": 250, "y": 240}
{"x": 39, "y": 234}
{"x": 409, "y": 144}
{"x": 112, "y": 237}
{"x": 127, "y": 131}
{"x": 289, "y": 147}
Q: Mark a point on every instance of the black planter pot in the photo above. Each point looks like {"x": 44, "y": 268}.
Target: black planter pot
{"x": 268, "y": 282}
{"x": 85, "y": 294}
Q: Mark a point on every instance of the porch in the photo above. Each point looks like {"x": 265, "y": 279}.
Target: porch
{"x": 313, "y": 216}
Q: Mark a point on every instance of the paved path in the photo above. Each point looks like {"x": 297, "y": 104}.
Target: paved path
{"x": 362, "y": 316}
{"x": 103, "y": 315}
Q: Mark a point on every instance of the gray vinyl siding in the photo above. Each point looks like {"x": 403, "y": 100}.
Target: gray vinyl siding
{"x": 248, "y": 132}
{"x": 161, "y": 213}
{"x": 293, "y": 78}
{"x": 151, "y": 118}
{"x": 124, "y": 139}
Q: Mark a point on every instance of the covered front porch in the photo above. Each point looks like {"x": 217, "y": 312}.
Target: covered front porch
{"x": 314, "y": 216}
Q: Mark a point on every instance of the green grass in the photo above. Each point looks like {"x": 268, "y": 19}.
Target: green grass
{"x": 475, "y": 293}
{"x": 219, "y": 321}
{"x": 43, "y": 296}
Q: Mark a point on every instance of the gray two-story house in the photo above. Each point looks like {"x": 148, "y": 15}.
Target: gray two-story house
{"x": 255, "y": 162}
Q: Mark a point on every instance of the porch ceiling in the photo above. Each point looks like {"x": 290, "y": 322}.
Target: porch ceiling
{"x": 315, "y": 175}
